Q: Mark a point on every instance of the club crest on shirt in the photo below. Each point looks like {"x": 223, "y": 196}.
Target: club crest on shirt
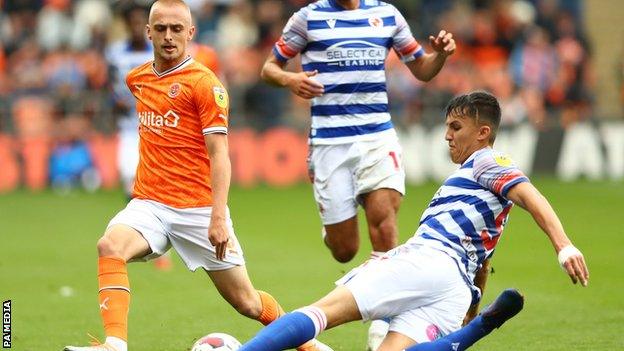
{"x": 375, "y": 22}
{"x": 174, "y": 90}
{"x": 220, "y": 96}
{"x": 331, "y": 23}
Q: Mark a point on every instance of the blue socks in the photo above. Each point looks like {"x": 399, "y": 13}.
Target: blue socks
{"x": 458, "y": 340}
{"x": 289, "y": 331}
{"x": 298, "y": 327}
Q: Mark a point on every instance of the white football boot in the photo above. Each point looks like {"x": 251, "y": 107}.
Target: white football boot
{"x": 315, "y": 346}
{"x": 112, "y": 344}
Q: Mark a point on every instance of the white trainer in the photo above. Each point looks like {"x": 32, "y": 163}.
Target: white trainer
{"x": 376, "y": 333}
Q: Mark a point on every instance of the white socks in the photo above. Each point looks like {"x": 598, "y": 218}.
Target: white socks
{"x": 317, "y": 316}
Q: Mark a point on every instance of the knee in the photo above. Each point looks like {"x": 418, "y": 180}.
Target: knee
{"x": 107, "y": 246}
{"x": 248, "y": 307}
{"x": 344, "y": 253}
{"x": 343, "y": 240}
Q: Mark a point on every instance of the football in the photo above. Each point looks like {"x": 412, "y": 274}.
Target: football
{"x": 216, "y": 341}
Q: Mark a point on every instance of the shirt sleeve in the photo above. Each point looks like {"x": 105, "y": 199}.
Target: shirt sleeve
{"x": 497, "y": 172}
{"x": 212, "y": 103}
{"x": 404, "y": 43}
{"x": 294, "y": 37}
{"x": 128, "y": 80}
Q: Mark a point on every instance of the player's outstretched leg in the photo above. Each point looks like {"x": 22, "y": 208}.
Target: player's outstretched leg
{"x": 271, "y": 310}
{"x": 507, "y": 305}
{"x": 236, "y": 288}
{"x": 289, "y": 331}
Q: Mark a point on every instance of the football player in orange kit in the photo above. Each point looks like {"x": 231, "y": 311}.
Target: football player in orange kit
{"x": 182, "y": 183}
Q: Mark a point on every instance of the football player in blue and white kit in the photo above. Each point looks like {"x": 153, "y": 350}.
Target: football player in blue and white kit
{"x": 355, "y": 156}
{"x": 122, "y": 56}
{"x": 425, "y": 285}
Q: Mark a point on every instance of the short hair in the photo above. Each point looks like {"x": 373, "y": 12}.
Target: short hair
{"x": 172, "y": 3}
{"x": 481, "y": 106}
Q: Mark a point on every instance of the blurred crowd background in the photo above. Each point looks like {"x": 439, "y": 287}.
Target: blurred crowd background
{"x": 57, "y": 80}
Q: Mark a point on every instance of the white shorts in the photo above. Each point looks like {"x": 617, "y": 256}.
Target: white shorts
{"x": 185, "y": 229}
{"x": 418, "y": 288}
{"x": 343, "y": 172}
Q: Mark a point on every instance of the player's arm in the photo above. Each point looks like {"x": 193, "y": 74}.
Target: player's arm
{"x": 428, "y": 65}
{"x": 299, "y": 83}
{"x": 571, "y": 259}
{"x": 479, "y": 281}
{"x": 220, "y": 173}
{"x": 294, "y": 39}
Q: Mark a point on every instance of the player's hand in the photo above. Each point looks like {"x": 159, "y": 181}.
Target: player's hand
{"x": 218, "y": 237}
{"x": 302, "y": 85}
{"x": 443, "y": 44}
{"x": 573, "y": 262}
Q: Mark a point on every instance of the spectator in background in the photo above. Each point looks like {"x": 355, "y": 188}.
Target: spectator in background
{"x": 574, "y": 75}
{"x": 206, "y": 17}
{"x": 237, "y": 29}
{"x": 66, "y": 79}
{"x": 485, "y": 48}
{"x": 19, "y": 22}
{"x": 269, "y": 15}
{"x": 54, "y": 25}
{"x": 26, "y": 69}
{"x": 534, "y": 62}
{"x": 92, "y": 19}
{"x": 71, "y": 164}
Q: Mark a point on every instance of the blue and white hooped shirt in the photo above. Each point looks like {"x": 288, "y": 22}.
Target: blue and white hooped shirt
{"x": 348, "y": 48}
{"x": 467, "y": 215}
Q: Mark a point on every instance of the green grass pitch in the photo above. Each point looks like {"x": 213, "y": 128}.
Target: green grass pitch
{"x": 47, "y": 244}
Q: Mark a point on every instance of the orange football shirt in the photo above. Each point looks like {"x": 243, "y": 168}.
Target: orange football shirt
{"x": 176, "y": 108}
{"x": 205, "y": 55}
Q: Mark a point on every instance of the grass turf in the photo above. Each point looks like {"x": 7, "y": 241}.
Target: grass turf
{"x": 47, "y": 245}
